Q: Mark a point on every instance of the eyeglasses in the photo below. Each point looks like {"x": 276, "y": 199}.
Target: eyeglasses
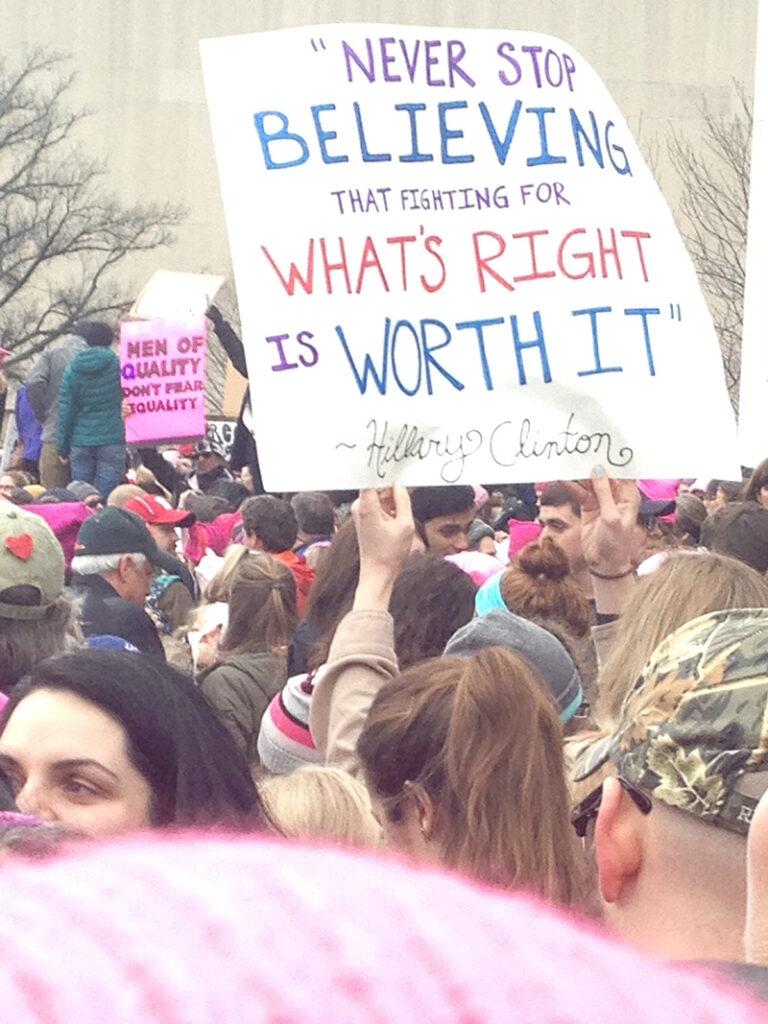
{"x": 587, "y": 810}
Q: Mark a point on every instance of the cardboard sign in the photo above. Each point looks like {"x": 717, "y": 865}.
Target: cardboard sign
{"x": 163, "y": 367}
{"x": 753, "y": 390}
{"x": 453, "y": 265}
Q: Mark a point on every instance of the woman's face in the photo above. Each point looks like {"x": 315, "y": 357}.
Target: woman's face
{"x": 67, "y": 761}
{"x": 762, "y": 495}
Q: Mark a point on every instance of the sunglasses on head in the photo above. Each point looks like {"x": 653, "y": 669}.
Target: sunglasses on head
{"x": 586, "y": 811}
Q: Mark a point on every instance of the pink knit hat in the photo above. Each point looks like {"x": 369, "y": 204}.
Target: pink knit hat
{"x": 165, "y": 930}
{"x": 285, "y": 742}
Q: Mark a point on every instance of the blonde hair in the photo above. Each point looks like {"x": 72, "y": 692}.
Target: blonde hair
{"x": 219, "y": 586}
{"x": 316, "y": 802}
{"x": 482, "y": 738}
{"x": 684, "y": 587}
{"x": 145, "y": 476}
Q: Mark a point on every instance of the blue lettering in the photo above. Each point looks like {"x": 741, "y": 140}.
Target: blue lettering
{"x": 447, "y": 133}
{"x": 545, "y": 157}
{"x": 599, "y": 368}
{"x": 537, "y": 342}
{"x": 478, "y": 325}
{"x": 324, "y": 136}
{"x": 267, "y": 138}
{"x": 414, "y": 156}
{"x": 502, "y": 148}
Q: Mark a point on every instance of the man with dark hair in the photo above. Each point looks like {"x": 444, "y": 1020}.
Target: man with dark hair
{"x": 316, "y": 521}
{"x": 270, "y": 526}
{"x": 560, "y": 519}
{"x": 739, "y": 529}
{"x": 443, "y": 517}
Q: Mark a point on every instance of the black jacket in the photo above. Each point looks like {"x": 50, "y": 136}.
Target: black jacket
{"x": 104, "y": 612}
{"x": 243, "y": 445}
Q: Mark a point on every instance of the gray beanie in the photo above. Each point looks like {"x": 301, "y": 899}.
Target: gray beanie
{"x": 81, "y": 490}
{"x": 501, "y": 628}
{"x": 477, "y": 531}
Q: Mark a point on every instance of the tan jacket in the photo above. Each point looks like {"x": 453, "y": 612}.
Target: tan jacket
{"x": 361, "y": 660}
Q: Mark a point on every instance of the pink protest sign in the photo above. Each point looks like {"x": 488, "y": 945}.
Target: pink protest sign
{"x": 163, "y": 365}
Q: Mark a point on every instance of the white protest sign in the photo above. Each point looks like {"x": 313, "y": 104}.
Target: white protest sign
{"x": 221, "y": 431}
{"x": 753, "y": 393}
{"x": 453, "y": 265}
{"x": 173, "y": 295}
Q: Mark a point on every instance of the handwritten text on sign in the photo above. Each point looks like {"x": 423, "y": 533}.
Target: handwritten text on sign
{"x": 163, "y": 368}
{"x": 449, "y": 244}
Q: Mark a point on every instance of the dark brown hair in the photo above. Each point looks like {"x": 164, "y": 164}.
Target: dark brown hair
{"x": 262, "y": 607}
{"x": 333, "y": 591}
{"x": 482, "y": 737}
{"x": 757, "y": 480}
{"x": 538, "y": 584}
{"x": 430, "y": 600}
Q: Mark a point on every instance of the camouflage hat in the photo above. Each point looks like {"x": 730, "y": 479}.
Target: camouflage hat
{"x": 696, "y": 721}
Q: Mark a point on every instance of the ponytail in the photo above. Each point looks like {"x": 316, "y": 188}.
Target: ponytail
{"x": 262, "y": 607}
{"x": 482, "y": 737}
{"x": 505, "y": 769}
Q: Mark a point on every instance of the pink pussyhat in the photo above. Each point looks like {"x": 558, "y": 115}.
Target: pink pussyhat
{"x": 479, "y": 566}
{"x": 659, "y": 490}
{"x": 521, "y": 532}
{"x": 166, "y": 929}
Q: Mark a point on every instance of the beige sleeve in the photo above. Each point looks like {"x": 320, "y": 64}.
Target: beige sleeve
{"x": 361, "y": 660}
{"x": 604, "y": 637}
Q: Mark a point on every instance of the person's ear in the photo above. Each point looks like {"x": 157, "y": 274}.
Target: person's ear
{"x": 424, "y": 807}
{"x": 124, "y": 567}
{"x": 618, "y": 844}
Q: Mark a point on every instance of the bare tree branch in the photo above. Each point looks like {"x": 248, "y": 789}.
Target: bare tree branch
{"x": 713, "y": 213}
{"x": 62, "y": 239}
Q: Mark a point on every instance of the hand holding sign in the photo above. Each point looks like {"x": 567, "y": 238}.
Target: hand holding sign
{"x": 608, "y": 519}
{"x": 385, "y": 541}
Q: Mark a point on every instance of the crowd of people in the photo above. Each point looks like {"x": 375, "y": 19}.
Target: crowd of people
{"x": 556, "y": 693}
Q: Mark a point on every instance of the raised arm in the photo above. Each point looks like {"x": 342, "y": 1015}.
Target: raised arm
{"x": 608, "y": 521}
{"x": 362, "y": 656}
{"x": 230, "y": 342}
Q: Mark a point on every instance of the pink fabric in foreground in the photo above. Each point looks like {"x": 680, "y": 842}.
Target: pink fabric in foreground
{"x": 164, "y": 929}
{"x": 479, "y": 566}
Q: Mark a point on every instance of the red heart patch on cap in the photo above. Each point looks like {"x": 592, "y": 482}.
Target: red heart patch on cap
{"x": 21, "y": 545}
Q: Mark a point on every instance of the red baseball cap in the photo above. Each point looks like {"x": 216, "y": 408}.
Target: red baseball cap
{"x": 157, "y": 512}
